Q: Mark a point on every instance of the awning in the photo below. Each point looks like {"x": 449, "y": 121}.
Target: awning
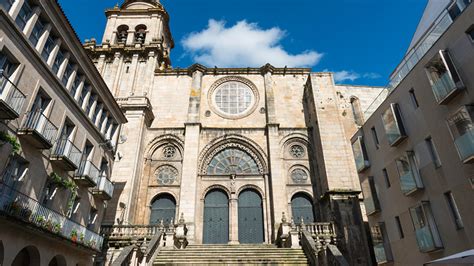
{"x": 465, "y": 257}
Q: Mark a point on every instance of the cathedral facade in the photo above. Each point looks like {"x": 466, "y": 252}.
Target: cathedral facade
{"x": 232, "y": 151}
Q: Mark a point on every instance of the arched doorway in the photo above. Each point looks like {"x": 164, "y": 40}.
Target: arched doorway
{"x": 302, "y": 208}
{"x": 27, "y": 256}
{"x": 163, "y": 208}
{"x": 58, "y": 260}
{"x": 250, "y": 218}
{"x": 216, "y": 218}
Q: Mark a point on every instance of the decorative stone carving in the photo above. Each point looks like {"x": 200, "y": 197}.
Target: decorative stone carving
{"x": 297, "y": 151}
{"x": 299, "y": 176}
{"x": 169, "y": 152}
{"x": 166, "y": 175}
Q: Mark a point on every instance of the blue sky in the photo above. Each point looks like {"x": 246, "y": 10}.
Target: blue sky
{"x": 361, "y": 40}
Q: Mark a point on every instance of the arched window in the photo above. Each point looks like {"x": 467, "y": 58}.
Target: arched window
{"x": 357, "y": 111}
{"x": 122, "y": 34}
{"x": 232, "y": 161}
{"x": 27, "y": 256}
{"x": 163, "y": 208}
{"x": 302, "y": 208}
{"x": 58, "y": 260}
{"x": 140, "y": 33}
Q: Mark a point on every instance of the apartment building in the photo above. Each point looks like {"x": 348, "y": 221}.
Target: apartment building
{"x": 414, "y": 155}
{"x": 59, "y": 126}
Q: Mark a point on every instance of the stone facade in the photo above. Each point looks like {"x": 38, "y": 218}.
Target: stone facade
{"x": 56, "y": 147}
{"x": 294, "y": 125}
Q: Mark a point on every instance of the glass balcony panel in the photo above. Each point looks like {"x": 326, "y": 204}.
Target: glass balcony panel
{"x": 381, "y": 244}
{"x": 410, "y": 179}
{"x": 380, "y": 254}
{"x": 88, "y": 172}
{"x": 360, "y": 157}
{"x": 371, "y": 201}
{"x": 462, "y": 130}
{"x": 105, "y": 188}
{"x": 465, "y": 146}
{"x": 426, "y": 232}
{"x": 393, "y": 125}
{"x": 19, "y": 206}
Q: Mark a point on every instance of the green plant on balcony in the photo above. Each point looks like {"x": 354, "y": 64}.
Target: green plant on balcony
{"x": 40, "y": 220}
{"x": 57, "y": 228}
{"x": 74, "y": 235}
{"x": 6, "y": 138}
{"x": 56, "y": 179}
{"x": 48, "y": 225}
{"x": 81, "y": 237}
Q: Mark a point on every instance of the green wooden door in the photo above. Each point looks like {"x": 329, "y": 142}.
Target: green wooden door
{"x": 216, "y": 218}
{"x": 250, "y": 218}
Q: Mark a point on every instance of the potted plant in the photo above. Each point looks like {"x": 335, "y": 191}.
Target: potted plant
{"x": 49, "y": 225}
{"x": 81, "y": 237}
{"x": 74, "y": 235}
{"x": 57, "y": 228}
{"x": 40, "y": 220}
{"x": 6, "y": 138}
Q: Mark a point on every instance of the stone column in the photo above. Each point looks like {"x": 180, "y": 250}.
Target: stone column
{"x": 188, "y": 193}
{"x": 277, "y": 179}
{"x": 234, "y": 219}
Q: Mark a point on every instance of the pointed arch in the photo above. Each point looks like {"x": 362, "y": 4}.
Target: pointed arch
{"x": 233, "y": 142}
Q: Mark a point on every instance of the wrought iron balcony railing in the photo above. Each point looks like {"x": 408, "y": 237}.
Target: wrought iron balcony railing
{"x": 19, "y": 206}
{"x": 67, "y": 154}
{"x": 87, "y": 174}
{"x": 39, "y": 130}
{"x": 11, "y": 98}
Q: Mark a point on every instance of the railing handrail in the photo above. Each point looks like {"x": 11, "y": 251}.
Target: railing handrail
{"x": 124, "y": 257}
{"x": 153, "y": 246}
{"x": 26, "y": 123}
{"x": 12, "y": 84}
{"x": 73, "y": 223}
{"x": 73, "y": 146}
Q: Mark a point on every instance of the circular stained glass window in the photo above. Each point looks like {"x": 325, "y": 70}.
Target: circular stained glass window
{"x": 297, "y": 151}
{"x": 166, "y": 175}
{"x": 169, "y": 152}
{"x": 299, "y": 176}
{"x": 234, "y": 98}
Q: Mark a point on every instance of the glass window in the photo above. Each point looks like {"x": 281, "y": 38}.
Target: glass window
{"x": 398, "y": 223}
{"x": 393, "y": 125}
{"x": 360, "y": 154}
{"x": 67, "y": 73}
{"x": 297, "y": 151}
{"x": 470, "y": 33}
{"x": 24, "y": 15}
{"x": 381, "y": 244}
{"x": 410, "y": 179}
{"x": 166, "y": 175}
{"x": 232, "y": 161}
{"x": 375, "y": 137}
{"x": 15, "y": 171}
{"x": 299, "y": 176}
{"x": 7, "y": 4}
{"x": 92, "y": 219}
{"x": 386, "y": 177}
{"x": 453, "y": 208}
{"x": 426, "y": 231}
{"x": 414, "y": 101}
{"x": 73, "y": 206}
{"x": 7, "y": 68}
{"x": 433, "y": 153}
{"x": 234, "y": 98}
{"x": 462, "y": 130}
{"x": 443, "y": 76}
{"x": 48, "y": 48}
{"x": 75, "y": 86}
{"x": 36, "y": 32}
{"x": 58, "y": 61}
{"x": 371, "y": 200}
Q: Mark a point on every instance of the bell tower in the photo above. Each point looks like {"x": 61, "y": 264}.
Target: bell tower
{"x": 137, "y": 40}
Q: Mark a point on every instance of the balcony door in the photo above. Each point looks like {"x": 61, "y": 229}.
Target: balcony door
{"x": 66, "y": 139}
{"x": 37, "y": 118}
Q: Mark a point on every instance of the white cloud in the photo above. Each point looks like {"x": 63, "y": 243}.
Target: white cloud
{"x": 349, "y": 75}
{"x": 243, "y": 44}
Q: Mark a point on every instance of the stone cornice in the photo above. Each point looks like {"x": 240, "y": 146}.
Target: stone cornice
{"x": 138, "y": 103}
{"x": 234, "y": 71}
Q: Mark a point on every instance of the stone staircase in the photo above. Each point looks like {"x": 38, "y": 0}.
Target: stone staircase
{"x": 231, "y": 255}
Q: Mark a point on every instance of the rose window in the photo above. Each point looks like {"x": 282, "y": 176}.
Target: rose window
{"x": 299, "y": 176}
{"x": 166, "y": 175}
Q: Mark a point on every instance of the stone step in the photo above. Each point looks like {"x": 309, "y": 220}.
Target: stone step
{"x": 259, "y": 251}
{"x": 231, "y": 263}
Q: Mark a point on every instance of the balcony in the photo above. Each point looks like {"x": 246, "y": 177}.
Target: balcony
{"x": 11, "y": 99}
{"x": 360, "y": 154}
{"x": 22, "y": 208}
{"x": 87, "y": 174}
{"x": 66, "y": 155}
{"x": 104, "y": 189}
{"x": 462, "y": 130}
{"x": 38, "y": 130}
{"x": 371, "y": 200}
{"x": 444, "y": 78}
{"x": 381, "y": 244}
{"x": 392, "y": 121}
{"x": 465, "y": 146}
{"x": 426, "y": 231}
{"x": 410, "y": 179}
